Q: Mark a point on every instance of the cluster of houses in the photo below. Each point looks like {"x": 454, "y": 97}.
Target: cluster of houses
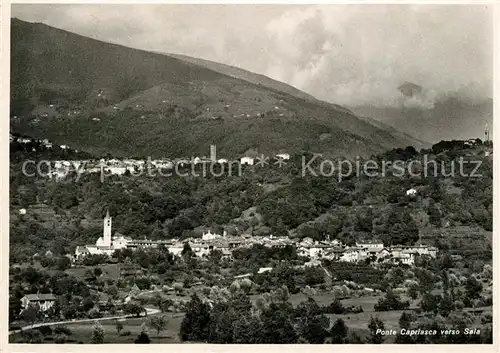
{"x": 25, "y": 140}
{"x": 332, "y": 250}
{"x": 60, "y": 168}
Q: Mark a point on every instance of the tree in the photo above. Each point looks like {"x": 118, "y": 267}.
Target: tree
{"x": 312, "y": 325}
{"x": 15, "y": 307}
{"x": 157, "y": 301}
{"x": 446, "y": 305}
{"x": 434, "y": 214}
{"x": 166, "y": 304}
{"x": 339, "y": 331}
{"x": 314, "y": 275}
{"x": 63, "y": 263}
{"x": 187, "y": 252}
{"x": 406, "y": 319}
{"x": 390, "y": 302}
{"x": 246, "y": 285}
{"x": 30, "y": 314}
{"x": 178, "y": 287}
{"x": 246, "y": 329}
{"x": 97, "y": 333}
{"x": 143, "y": 338}
{"x": 158, "y": 323}
{"x": 373, "y": 326}
{"x": 97, "y": 271}
{"x": 430, "y": 303}
{"x": 133, "y": 309}
{"x": 235, "y": 286}
{"x": 196, "y": 322}
{"x": 112, "y": 291}
{"x": 119, "y": 327}
{"x": 412, "y": 291}
{"x": 473, "y": 288}
{"x": 277, "y": 325}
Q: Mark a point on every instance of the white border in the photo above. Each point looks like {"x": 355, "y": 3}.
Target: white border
{"x": 4, "y": 199}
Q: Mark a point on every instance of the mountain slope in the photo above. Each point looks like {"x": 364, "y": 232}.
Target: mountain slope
{"x": 244, "y": 75}
{"x": 254, "y": 78}
{"x": 106, "y": 98}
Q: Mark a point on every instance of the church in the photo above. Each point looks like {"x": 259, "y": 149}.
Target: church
{"x": 106, "y": 244}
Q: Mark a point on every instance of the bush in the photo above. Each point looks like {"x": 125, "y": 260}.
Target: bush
{"x": 62, "y": 330}
{"x": 62, "y": 338}
{"x": 486, "y": 318}
{"x": 391, "y": 302}
{"x": 95, "y": 314}
{"x": 354, "y": 309}
{"x": 142, "y": 338}
{"x": 125, "y": 333}
{"x": 33, "y": 336}
{"x": 45, "y": 330}
{"x": 335, "y": 307}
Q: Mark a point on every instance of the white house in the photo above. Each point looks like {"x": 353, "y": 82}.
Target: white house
{"x": 372, "y": 246}
{"x": 417, "y": 249}
{"x": 383, "y": 253}
{"x": 176, "y": 249}
{"x": 81, "y": 251}
{"x": 247, "y": 160}
{"x": 354, "y": 255}
{"x": 411, "y": 192}
{"x": 22, "y": 211}
{"x": 210, "y": 236}
{"x": 200, "y": 250}
{"x": 406, "y": 258}
{"x": 43, "y": 301}
{"x": 265, "y": 269}
{"x": 47, "y": 143}
{"x": 284, "y": 156}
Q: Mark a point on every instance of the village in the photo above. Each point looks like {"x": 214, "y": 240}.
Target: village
{"x": 59, "y": 169}
{"x": 374, "y": 251}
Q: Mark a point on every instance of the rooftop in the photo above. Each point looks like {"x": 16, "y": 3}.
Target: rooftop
{"x": 40, "y": 296}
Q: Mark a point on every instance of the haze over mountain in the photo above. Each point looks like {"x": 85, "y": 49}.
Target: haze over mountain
{"x": 419, "y": 113}
{"x": 106, "y": 98}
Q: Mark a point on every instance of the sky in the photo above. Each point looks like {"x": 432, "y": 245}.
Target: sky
{"x": 345, "y": 54}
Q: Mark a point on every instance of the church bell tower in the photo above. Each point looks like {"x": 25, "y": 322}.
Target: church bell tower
{"x": 107, "y": 229}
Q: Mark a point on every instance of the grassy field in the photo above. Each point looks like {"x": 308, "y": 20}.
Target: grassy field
{"x": 109, "y": 271}
{"x": 82, "y": 332}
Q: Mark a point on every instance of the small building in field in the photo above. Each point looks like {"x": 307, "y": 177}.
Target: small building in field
{"x": 265, "y": 269}
{"x": 284, "y": 156}
{"x": 43, "y": 301}
{"x": 411, "y": 192}
{"x": 247, "y": 160}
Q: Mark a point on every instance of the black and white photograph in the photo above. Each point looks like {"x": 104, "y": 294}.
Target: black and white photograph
{"x": 250, "y": 174}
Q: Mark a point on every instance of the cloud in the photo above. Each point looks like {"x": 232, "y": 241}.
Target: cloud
{"x": 360, "y": 54}
{"x": 346, "y": 54}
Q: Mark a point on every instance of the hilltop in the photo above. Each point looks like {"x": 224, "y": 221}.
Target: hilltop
{"x": 96, "y": 95}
